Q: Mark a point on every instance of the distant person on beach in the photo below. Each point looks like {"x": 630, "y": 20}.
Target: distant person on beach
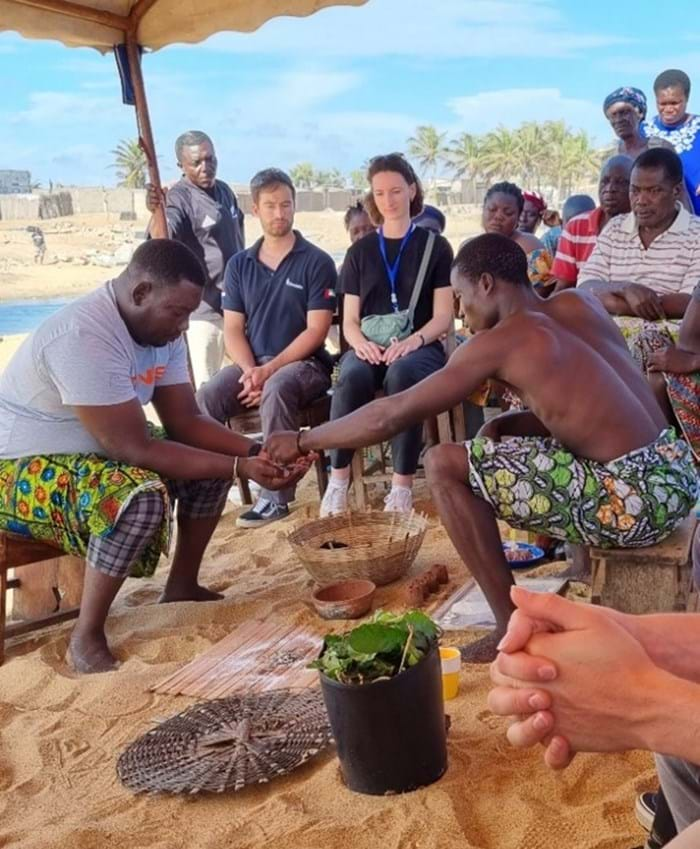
{"x": 203, "y": 213}
{"x": 678, "y": 126}
{"x": 279, "y": 298}
{"x": 39, "y": 242}
{"x": 81, "y": 467}
{"x": 581, "y": 232}
{"x": 556, "y": 468}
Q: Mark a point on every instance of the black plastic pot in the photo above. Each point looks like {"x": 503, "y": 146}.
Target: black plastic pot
{"x": 390, "y": 735}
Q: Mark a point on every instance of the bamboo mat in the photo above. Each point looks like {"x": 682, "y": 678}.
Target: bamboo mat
{"x": 256, "y": 657}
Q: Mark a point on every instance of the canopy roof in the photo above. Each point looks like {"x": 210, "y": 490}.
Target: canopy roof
{"x": 155, "y": 23}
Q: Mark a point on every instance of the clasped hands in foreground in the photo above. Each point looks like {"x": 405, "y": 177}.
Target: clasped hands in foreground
{"x": 577, "y": 678}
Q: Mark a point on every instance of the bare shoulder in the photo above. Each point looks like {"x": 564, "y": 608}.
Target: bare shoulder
{"x": 579, "y": 300}
{"x": 527, "y": 241}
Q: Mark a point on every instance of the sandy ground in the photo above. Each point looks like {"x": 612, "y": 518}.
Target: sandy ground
{"x": 61, "y": 735}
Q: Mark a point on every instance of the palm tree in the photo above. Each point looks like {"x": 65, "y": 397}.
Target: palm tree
{"x": 303, "y": 175}
{"x": 131, "y": 165}
{"x": 532, "y": 153}
{"x": 358, "y": 179}
{"x": 501, "y": 155}
{"x": 465, "y": 157}
{"x": 332, "y": 179}
{"x": 580, "y": 160}
{"x": 428, "y": 146}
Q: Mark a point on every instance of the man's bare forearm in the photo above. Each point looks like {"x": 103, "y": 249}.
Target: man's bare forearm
{"x": 173, "y": 460}
{"x": 672, "y": 641}
{"x": 204, "y": 432}
{"x": 673, "y": 726}
{"x": 371, "y": 424}
{"x": 675, "y": 305}
{"x": 301, "y": 348}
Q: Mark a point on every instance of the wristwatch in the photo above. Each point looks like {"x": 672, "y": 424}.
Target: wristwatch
{"x": 255, "y": 449}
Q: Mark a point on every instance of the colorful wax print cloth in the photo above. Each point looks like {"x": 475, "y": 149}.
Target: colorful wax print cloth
{"x": 683, "y": 390}
{"x": 537, "y": 484}
{"x": 539, "y": 267}
{"x": 64, "y": 498}
{"x": 643, "y": 336}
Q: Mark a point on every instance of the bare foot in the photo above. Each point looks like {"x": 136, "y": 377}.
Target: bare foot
{"x": 482, "y": 650}
{"x": 195, "y": 593}
{"x": 89, "y": 654}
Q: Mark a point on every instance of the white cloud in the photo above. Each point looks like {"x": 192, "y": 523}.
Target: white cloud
{"x": 446, "y": 29}
{"x": 479, "y": 113}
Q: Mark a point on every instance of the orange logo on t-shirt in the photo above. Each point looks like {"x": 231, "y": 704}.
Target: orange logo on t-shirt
{"x": 150, "y": 376}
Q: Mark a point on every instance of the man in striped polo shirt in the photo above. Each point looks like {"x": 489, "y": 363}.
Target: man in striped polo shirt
{"x": 581, "y": 233}
{"x": 646, "y": 264}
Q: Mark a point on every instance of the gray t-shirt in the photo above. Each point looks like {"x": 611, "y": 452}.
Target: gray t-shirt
{"x": 82, "y": 356}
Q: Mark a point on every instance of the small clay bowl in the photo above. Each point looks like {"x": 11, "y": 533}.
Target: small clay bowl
{"x": 344, "y": 600}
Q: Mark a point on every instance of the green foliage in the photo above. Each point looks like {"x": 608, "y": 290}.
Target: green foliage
{"x": 303, "y": 175}
{"x": 534, "y": 155}
{"x": 381, "y": 648}
{"x": 130, "y": 162}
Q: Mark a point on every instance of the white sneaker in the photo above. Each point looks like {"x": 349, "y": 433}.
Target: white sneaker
{"x": 335, "y": 499}
{"x": 399, "y": 500}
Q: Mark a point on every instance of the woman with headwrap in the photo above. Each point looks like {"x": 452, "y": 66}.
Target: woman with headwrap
{"x": 534, "y": 207}
{"x": 626, "y": 108}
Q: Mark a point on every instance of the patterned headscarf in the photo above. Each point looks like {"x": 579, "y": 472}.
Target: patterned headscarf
{"x": 627, "y": 94}
{"x": 536, "y": 200}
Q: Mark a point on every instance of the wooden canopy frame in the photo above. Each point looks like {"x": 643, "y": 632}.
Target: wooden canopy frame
{"x": 129, "y": 26}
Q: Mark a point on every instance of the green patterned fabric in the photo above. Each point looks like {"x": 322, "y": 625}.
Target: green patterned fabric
{"x": 536, "y": 484}
{"x": 64, "y": 498}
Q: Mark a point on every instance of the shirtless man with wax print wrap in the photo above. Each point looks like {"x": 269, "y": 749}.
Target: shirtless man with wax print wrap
{"x": 592, "y": 460}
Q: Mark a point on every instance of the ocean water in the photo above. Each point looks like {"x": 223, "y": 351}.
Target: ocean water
{"x": 24, "y": 316}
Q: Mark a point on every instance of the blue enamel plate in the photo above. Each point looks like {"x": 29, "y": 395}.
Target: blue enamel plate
{"x": 526, "y": 555}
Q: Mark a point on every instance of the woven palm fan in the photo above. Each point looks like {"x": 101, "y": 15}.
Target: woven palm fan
{"x": 228, "y": 743}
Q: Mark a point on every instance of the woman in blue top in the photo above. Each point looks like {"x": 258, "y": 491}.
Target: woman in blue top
{"x": 676, "y": 125}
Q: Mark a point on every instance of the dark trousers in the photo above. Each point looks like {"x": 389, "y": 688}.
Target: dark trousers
{"x": 359, "y": 381}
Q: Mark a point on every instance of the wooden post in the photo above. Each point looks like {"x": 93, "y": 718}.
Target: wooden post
{"x": 159, "y": 226}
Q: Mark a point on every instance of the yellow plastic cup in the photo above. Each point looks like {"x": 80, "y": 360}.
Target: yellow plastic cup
{"x": 451, "y": 661}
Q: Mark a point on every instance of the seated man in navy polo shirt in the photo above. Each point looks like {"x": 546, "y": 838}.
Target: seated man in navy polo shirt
{"x": 278, "y": 301}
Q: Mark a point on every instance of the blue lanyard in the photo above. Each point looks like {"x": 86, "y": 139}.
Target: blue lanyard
{"x": 393, "y": 270}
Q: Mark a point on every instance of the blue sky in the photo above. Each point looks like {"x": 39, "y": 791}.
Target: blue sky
{"x": 344, "y": 84}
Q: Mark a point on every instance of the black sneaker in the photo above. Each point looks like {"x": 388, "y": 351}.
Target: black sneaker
{"x": 262, "y": 513}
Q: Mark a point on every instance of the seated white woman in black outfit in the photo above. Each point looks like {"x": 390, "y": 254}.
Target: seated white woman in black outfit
{"x": 378, "y": 278}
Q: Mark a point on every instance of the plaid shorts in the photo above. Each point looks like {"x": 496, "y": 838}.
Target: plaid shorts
{"x": 115, "y": 554}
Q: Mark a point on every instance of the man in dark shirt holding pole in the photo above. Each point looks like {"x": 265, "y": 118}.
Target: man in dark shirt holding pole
{"x": 203, "y": 213}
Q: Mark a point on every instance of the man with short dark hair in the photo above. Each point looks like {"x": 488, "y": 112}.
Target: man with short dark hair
{"x": 80, "y": 466}
{"x": 558, "y": 467}
{"x": 646, "y": 264}
{"x": 580, "y": 234}
{"x": 203, "y": 213}
{"x": 279, "y": 297}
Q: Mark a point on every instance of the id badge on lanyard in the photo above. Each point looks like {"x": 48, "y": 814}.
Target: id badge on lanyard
{"x": 392, "y": 270}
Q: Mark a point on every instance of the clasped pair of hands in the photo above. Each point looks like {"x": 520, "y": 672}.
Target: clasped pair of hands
{"x": 644, "y": 302}
{"x": 376, "y": 355}
{"x": 573, "y": 678}
{"x": 280, "y": 464}
{"x": 253, "y": 380}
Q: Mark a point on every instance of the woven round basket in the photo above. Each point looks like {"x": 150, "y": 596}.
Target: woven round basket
{"x": 378, "y": 547}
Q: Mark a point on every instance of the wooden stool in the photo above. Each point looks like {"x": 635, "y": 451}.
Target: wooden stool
{"x": 315, "y": 414}
{"x": 645, "y": 580}
{"x": 18, "y": 552}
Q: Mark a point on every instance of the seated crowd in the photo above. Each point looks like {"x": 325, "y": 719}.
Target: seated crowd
{"x": 594, "y": 330}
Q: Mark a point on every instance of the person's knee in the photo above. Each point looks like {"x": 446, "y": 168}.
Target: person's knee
{"x": 218, "y": 397}
{"x": 445, "y": 464}
{"x": 399, "y": 376}
{"x": 356, "y": 376}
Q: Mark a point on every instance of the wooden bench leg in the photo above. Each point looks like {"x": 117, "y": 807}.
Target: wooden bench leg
{"x": 321, "y": 473}
{"x": 358, "y": 471}
{"x": 244, "y": 490}
{"x": 3, "y": 594}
